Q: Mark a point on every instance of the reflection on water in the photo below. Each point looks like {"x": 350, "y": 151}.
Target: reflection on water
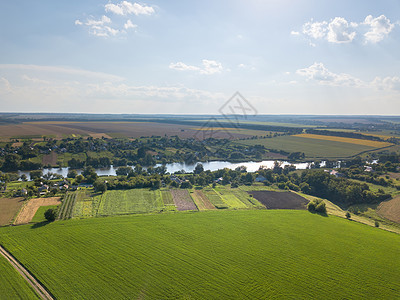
{"x": 174, "y": 167}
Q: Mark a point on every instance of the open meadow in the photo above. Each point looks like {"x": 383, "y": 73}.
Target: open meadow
{"x": 210, "y": 254}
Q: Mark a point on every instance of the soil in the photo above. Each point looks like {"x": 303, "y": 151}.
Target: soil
{"x": 9, "y": 207}
{"x": 29, "y": 210}
{"x": 280, "y": 200}
{"x": 390, "y": 209}
{"x": 50, "y": 159}
{"x": 182, "y": 200}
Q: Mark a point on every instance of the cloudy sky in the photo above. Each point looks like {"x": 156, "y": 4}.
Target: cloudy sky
{"x": 295, "y": 57}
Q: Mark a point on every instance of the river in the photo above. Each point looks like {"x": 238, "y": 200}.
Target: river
{"x": 187, "y": 168}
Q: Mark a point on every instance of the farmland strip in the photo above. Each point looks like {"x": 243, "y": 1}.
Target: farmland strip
{"x": 40, "y": 290}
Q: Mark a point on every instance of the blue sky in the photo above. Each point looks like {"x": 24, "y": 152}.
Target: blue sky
{"x": 288, "y": 57}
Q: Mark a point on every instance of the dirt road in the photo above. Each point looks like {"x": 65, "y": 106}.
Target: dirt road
{"x": 40, "y": 290}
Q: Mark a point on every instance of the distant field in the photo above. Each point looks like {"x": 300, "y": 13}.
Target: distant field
{"x": 312, "y": 148}
{"x": 257, "y": 254}
{"x": 62, "y": 129}
{"x": 12, "y": 284}
{"x": 374, "y": 144}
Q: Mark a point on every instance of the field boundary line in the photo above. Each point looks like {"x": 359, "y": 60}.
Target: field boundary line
{"x": 32, "y": 281}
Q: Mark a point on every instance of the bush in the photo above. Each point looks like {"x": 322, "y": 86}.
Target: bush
{"x": 348, "y": 215}
{"x": 50, "y": 214}
{"x": 376, "y": 224}
{"x": 317, "y": 206}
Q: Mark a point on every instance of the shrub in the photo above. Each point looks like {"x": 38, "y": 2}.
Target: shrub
{"x": 317, "y": 206}
{"x": 348, "y": 215}
{"x": 376, "y": 224}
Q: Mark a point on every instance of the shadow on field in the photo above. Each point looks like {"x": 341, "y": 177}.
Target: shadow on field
{"x": 40, "y": 224}
{"x": 319, "y": 213}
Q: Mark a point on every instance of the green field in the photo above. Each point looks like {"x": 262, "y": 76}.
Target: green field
{"x": 39, "y": 215}
{"x": 312, "y": 148}
{"x": 12, "y": 284}
{"x": 130, "y": 201}
{"x": 254, "y": 254}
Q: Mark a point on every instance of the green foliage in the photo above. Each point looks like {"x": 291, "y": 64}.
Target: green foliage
{"x": 39, "y": 215}
{"x": 317, "y": 205}
{"x": 162, "y": 254}
{"x": 348, "y": 215}
{"x": 376, "y": 224}
{"x": 50, "y": 214}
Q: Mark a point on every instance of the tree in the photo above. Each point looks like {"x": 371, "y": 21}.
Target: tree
{"x": 198, "y": 169}
{"x": 50, "y": 214}
{"x": 348, "y": 215}
{"x": 72, "y": 174}
{"x": 36, "y": 174}
{"x": 100, "y": 186}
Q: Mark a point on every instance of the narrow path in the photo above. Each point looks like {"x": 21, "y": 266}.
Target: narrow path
{"x": 40, "y": 290}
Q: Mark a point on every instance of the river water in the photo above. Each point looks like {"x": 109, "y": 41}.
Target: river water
{"x": 187, "y": 168}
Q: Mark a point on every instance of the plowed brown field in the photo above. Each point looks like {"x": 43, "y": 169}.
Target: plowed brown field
{"x": 280, "y": 200}
{"x": 182, "y": 200}
{"x": 9, "y": 207}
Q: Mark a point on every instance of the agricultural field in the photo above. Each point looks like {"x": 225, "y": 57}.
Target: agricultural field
{"x": 183, "y": 200}
{"x": 369, "y": 143}
{"x": 312, "y": 148}
{"x": 210, "y": 255}
{"x": 12, "y": 284}
{"x": 214, "y": 198}
{"x": 29, "y": 210}
{"x": 67, "y": 206}
{"x": 390, "y": 209}
{"x": 130, "y": 201}
{"x": 202, "y": 202}
{"x": 9, "y": 208}
{"x": 249, "y": 202}
{"x": 280, "y": 200}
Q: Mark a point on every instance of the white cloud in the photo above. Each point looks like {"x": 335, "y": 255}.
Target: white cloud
{"x": 99, "y": 27}
{"x": 379, "y": 28}
{"x": 316, "y": 30}
{"x": 126, "y": 8}
{"x": 209, "y": 67}
{"x": 129, "y": 24}
{"x": 339, "y": 30}
{"x": 322, "y": 75}
{"x": 387, "y": 83}
{"x": 5, "y": 86}
{"x": 180, "y": 66}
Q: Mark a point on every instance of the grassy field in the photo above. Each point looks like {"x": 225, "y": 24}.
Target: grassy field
{"x": 312, "y": 148}
{"x": 39, "y": 215}
{"x": 12, "y": 284}
{"x": 289, "y": 254}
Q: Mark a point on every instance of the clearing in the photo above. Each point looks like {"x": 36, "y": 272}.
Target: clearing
{"x": 9, "y": 207}
{"x": 29, "y": 210}
{"x": 280, "y": 200}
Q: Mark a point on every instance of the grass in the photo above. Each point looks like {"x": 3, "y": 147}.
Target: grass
{"x": 312, "y": 148}
{"x": 254, "y": 254}
{"x": 12, "y": 284}
{"x": 39, "y": 215}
